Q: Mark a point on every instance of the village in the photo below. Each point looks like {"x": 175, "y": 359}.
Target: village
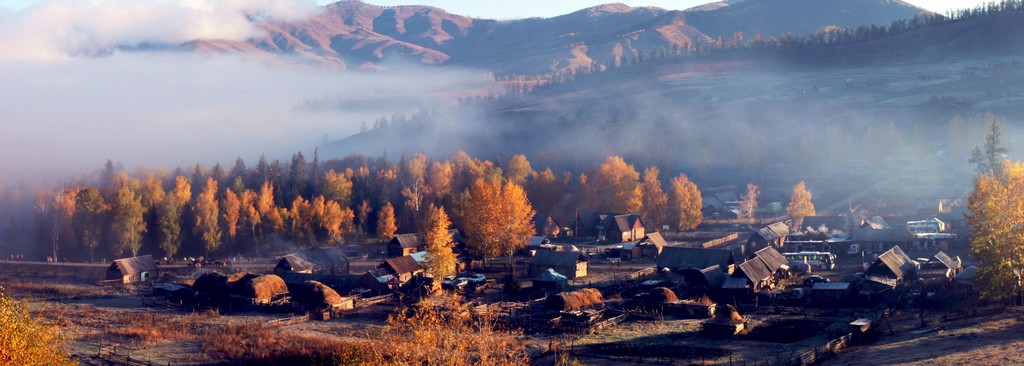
{"x": 601, "y": 287}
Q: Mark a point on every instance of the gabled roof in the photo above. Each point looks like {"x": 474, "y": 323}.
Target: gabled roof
{"x": 682, "y": 257}
{"x": 135, "y": 265}
{"x": 734, "y": 283}
{"x": 772, "y": 258}
{"x": 830, "y": 222}
{"x": 314, "y": 259}
{"x": 774, "y": 231}
{"x": 946, "y": 260}
{"x": 335, "y": 282}
{"x": 540, "y": 221}
{"x": 379, "y": 276}
{"x": 655, "y": 239}
{"x": 895, "y": 260}
{"x": 875, "y": 223}
{"x": 403, "y": 264}
{"x": 408, "y": 240}
{"x": 755, "y": 270}
{"x": 550, "y": 258}
{"x": 880, "y": 236}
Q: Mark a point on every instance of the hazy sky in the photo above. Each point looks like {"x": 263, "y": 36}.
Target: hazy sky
{"x": 508, "y": 9}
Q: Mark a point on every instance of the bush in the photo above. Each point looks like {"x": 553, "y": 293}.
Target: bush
{"x": 26, "y": 341}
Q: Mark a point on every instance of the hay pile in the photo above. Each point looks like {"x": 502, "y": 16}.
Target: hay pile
{"x": 703, "y": 300}
{"x": 730, "y": 315}
{"x": 576, "y": 300}
{"x": 237, "y": 282}
{"x": 661, "y": 295}
{"x": 315, "y": 294}
{"x": 264, "y": 289}
{"x": 211, "y": 283}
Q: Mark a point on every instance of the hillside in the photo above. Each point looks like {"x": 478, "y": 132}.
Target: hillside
{"x": 352, "y": 34}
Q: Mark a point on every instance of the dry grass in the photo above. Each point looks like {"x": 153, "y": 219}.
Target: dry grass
{"x": 255, "y": 343}
{"x": 146, "y": 328}
{"x": 51, "y": 290}
{"x": 577, "y": 300}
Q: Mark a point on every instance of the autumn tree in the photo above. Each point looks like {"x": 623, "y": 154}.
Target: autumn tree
{"x": 363, "y": 216}
{"x": 25, "y": 340}
{"x": 686, "y": 203}
{"x": 655, "y": 201}
{"x": 231, "y": 211}
{"x": 336, "y": 221}
{"x": 989, "y": 158}
{"x": 499, "y": 219}
{"x": 386, "y": 226}
{"x": 518, "y": 169}
{"x": 269, "y": 214}
{"x": 89, "y": 218}
{"x": 206, "y": 210}
{"x": 800, "y": 204}
{"x": 997, "y": 242}
{"x": 338, "y": 188}
{"x": 128, "y": 224}
{"x": 439, "y": 179}
{"x": 437, "y": 239}
{"x": 617, "y": 186}
{"x": 748, "y": 203}
{"x": 249, "y": 215}
{"x": 169, "y": 215}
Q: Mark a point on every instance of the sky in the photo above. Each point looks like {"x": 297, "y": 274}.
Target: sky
{"x": 508, "y": 9}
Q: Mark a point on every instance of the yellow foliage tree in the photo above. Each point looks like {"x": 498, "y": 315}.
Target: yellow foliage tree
{"x": 997, "y": 243}
{"x": 206, "y": 216}
{"x": 655, "y": 201}
{"x": 386, "y": 226}
{"x": 437, "y": 239}
{"x": 617, "y": 186}
{"x": 338, "y": 188}
{"x": 800, "y": 204}
{"x": 499, "y": 219}
{"x": 231, "y": 209}
{"x": 518, "y": 169}
{"x": 26, "y": 341}
{"x": 748, "y": 203}
{"x": 686, "y": 203}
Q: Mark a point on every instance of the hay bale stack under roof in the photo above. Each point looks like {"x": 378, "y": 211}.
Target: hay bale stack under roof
{"x": 315, "y": 294}
{"x": 576, "y": 300}
{"x": 661, "y": 295}
{"x": 211, "y": 283}
{"x": 264, "y": 289}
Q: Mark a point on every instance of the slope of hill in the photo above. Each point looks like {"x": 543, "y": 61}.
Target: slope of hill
{"x": 351, "y": 33}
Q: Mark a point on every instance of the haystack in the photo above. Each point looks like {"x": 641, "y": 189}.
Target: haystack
{"x": 263, "y": 289}
{"x": 661, "y": 295}
{"x": 238, "y": 281}
{"x": 313, "y": 294}
{"x": 576, "y": 300}
{"x": 211, "y": 283}
{"x": 730, "y": 315}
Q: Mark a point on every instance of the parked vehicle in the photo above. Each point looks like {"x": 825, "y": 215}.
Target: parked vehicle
{"x": 813, "y": 279}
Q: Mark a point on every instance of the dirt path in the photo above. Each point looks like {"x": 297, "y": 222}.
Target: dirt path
{"x": 992, "y": 340}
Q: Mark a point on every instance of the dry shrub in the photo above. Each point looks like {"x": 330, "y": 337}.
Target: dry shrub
{"x": 26, "y": 341}
{"x": 703, "y": 300}
{"x": 145, "y": 328}
{"x": 576, "y": 300}
{"x": 730, "y": 315}
{"x": 662, "y": 295}
{"x": 264, "y": 288}
{"x": 315, "y": 294}
{"x": 256, "y": 344}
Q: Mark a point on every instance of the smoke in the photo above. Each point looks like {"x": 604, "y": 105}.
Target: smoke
{"x": 62, "y": 29}
{"x": 170, "y": 109}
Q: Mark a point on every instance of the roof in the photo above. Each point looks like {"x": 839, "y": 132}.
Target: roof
{"x": 876, "y": 223}
{"x": 734, "y": 283}
{"x": 551, "y": 276}
{"x": 655, "y": 239}
{"x": 772, "y": 258}
{"x": 379, "y": 276}
{"x": 540, "y": 221}
{"x": 774, "y": 231}
{"x": 830, "y": 222}
{"x": 682, "y": 257}
{"x": 831, "y": 286}
{"x": 314, "y": 259}
{"x": 419, "y": 257}
{"x": 135, "y": 265}
{"x": 945, "y": 259}
{"x": 714, "y": 274}
{"x": 755, "y": 269}
{"x": 966, "y": 276}
{"x": 408, "y": 240}
{"x": 895, "y": 260}
{"x": 403, "y": 264}
{"x": 294, "y": 278}
{"x": 882, "y": 235}
{"x": 549, "y": 258}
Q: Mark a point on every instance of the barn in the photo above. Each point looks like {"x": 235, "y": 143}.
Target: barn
{"x": 572, "y": 265}
{"x": 133, "y": 270}
{"x": 329, "y": 261}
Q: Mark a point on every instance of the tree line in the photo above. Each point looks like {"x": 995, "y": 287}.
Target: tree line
{"x": 213, "y": 211}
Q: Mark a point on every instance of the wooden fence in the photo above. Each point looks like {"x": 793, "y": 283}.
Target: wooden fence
{"x": 369, "y": 301}
{"x": 617, "y": 279}
{"x": 760, "y": 221}
{"x": 111, "y": 354}
{"x": 720, "y": 241}
{"x": 289, "y": 320}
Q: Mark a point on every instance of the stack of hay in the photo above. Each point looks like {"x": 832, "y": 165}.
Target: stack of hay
{"x": 661, "y": 295}
{"x": 264, "y": 289}
{"x": 315, "y": 295}
{"x": 238, "y": 281}
{"x": 730, "y": 316}
{"x": 576, "y": 300}
{"x": 211, "y": 284}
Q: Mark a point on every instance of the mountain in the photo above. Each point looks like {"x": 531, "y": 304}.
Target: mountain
{"x": 352, "y": 34}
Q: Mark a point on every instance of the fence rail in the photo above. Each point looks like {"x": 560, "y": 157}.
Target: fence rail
{"x": 760, "y": 221}
{"x": 289, "y": 320}
{"x": 111, "y": 355}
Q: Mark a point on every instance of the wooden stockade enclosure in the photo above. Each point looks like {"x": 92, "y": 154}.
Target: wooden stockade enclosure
{"x": 720, "y": 241}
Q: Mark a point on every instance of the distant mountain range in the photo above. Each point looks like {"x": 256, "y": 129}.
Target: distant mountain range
{"x": 353, "y": 34}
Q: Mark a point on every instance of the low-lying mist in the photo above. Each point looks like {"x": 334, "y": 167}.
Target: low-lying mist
{"x": 63, "y": 118}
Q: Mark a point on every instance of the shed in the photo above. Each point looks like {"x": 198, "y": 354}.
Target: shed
{"x": 679, "y": 258}
{"x": 872, "y": 240}
{"x": 405, "y": 244}
{"x": 550, "y": 280}
{"x": 331, "y": 261}
{"x": 377, "y": 281}
{"x": 651, "y": 245}
{"x": 710, "y": 277}
{"x": 403, "y": 268}
{"x": 875, "y": 223}
{"x": 545, "y": 225}
{"x": 891, "y": 268}
{"x": 830, "y": 293}
{"x": 570, "y": 264}
{"x": 773, "y": 235}
{"x": 133, "y": 270}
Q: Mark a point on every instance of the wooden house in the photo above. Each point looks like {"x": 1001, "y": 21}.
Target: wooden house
{"x": 831, "y": 293}
{"x": 377, "y": 281}
{"x": 133, "y": 270}
{"x": 405, "y": 244}
{"x": 680, "y": 258}
{"x": 651, "y": 245}
{"x": 763, "y": 270}
{"x": 546, "y": 226}
{"x": 773, "y": 235}
{"x": 403, "y": 268}
{"x": 327, "y": 261}
{"x": 891, "y": 268}
{"x": 572, "y": 265}
{"x": 871, "y": 240}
